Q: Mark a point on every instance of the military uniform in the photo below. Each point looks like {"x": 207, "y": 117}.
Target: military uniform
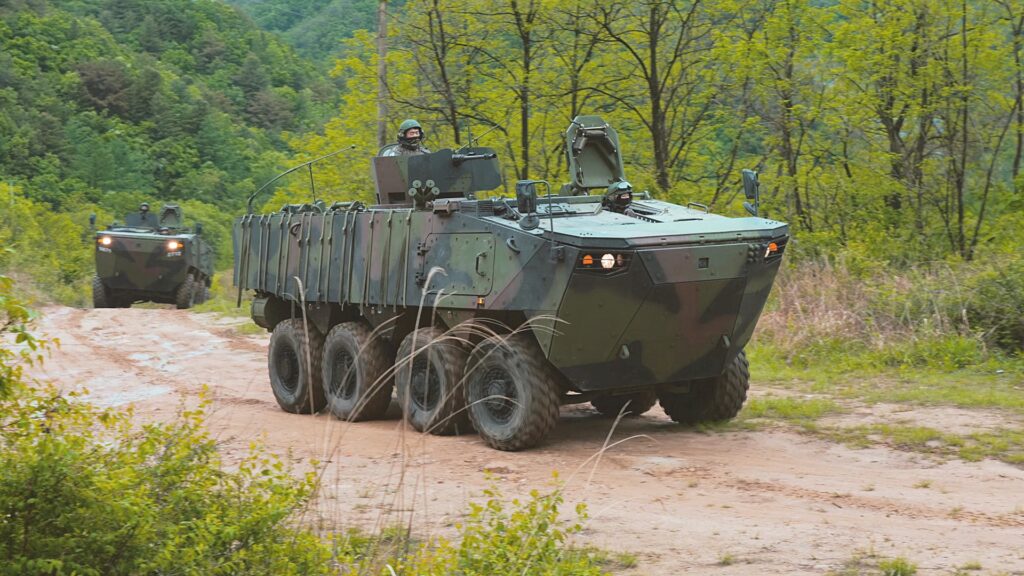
{"x": 401, "y": 150}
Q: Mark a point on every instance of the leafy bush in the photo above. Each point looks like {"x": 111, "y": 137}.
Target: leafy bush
{"x": 14, "y": 316}
{"x": 526, "y": 538}
{"x": 85, "y": 492}
{"x": 996, "y": 306}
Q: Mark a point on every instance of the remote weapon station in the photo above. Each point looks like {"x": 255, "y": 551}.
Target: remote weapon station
{"x": 488, "y": 313}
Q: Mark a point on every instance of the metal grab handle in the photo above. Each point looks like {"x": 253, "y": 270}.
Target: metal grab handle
{"x": 478, "y": 257}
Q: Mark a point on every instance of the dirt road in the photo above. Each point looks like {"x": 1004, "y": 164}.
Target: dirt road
{"x": 680, "y": 500}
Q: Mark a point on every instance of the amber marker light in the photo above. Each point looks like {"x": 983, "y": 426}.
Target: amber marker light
{"x": 772, "y": 247}
{"x": 588, "y": 260}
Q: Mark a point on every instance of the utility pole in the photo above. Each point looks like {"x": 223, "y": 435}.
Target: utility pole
{"x": 382, "y": 73}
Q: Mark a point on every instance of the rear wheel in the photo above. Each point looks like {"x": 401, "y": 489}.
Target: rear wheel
{"x": 638, "y": 403}
{"x": 431, "y": 367}
{"x": 710, "y": 399}
{"x": 186, "y": 294}
{"x": 294, "y": 363}
{"x": 511, "y": 392}
{"x": 100, "y": 294}
{"x": 354, "y": 368}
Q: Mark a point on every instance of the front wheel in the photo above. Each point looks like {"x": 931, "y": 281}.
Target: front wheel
{"x": 431, "y": 365}
{"x": 100, "y": 294}
{"x": 294, "y": 363}
{"x": 710, "y": 399}
{"x": 186, "y": 294}
{"x": 511, "y": 392}
{"x": 356, "y": 382}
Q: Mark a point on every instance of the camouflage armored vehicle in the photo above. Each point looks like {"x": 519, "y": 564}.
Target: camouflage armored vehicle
{"x": 491, "y": 312}
{"x": 151, "y": 257}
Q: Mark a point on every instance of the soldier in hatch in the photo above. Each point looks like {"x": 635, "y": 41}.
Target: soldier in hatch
{"x": 410, "y": 138}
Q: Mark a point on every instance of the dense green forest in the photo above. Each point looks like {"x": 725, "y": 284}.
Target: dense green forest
{"x": 315, "y": 28}
{"x": 890, "y": 134}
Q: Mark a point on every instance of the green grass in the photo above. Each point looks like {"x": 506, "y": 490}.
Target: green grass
{"x": 870, "y": 564}
{"x": 1002, "y": 444}
{"x": 224, "y": 297}
{"x": 803, "y": 412}
{"x": 836, "y": 378}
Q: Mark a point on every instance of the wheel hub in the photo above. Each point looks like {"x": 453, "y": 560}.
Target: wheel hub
{"x": 499, "y": 394}
{"x": 287, "y": 363}
{"x": 343, "y": 375}
{"x": 424, "y": 385}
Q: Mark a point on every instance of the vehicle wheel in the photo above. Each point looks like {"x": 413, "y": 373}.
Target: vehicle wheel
{"x": 710, "y": 399}
{"x": 639, "y": 402}
{"x": 511, "y": 392}
{"x": 354, "y": 368}
{"x": 100, "y": 294}
{"x": 186, "y": 294}
{"x": 295, "y": 379}
{"x": 429, "y": 378}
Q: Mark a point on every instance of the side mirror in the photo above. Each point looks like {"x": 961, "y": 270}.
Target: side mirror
{"x": 199, "y": 227}
{"x": 526, "y": 203}
{"x": 92, "y": 221}
{"x": 751, "y": 189}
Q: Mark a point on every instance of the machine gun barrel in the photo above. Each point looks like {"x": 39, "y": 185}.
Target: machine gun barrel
{"x": 460, "y": 158}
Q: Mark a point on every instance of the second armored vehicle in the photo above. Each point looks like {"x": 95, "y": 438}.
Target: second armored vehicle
{"x": 152, "y": 257}
{"x": 489, "y": 313}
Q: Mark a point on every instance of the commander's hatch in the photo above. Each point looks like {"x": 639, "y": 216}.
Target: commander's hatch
{"x": 171, "y": 216}
{"x": 441, "y": 174}
{"x": 595, "y": 159}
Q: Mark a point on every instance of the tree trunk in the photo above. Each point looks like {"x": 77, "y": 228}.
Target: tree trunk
{"x": 382, "y": 73}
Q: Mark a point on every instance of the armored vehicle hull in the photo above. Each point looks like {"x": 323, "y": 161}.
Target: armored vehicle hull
{"x": 500, "y": 311}
{"x": 139, "y": 262}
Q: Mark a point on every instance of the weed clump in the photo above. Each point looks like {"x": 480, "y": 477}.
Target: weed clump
{"x": 526, "y": 537}
{"x": 940, "y": 315}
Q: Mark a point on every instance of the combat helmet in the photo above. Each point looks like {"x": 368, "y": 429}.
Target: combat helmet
{"x": 405, "y": 127}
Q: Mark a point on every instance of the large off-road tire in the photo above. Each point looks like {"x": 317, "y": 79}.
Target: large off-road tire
{"x": 202, "y": 291}
{"x": 639, "y": 402}
{"x": 711, "y": 399}
{"x": 186, "y": 294}
{"x": 511, "y": 392}
{"x": 431, "y": 366}
{"x": 100, "y": 294}
{"x": 354, "y": 367}
{"x": 294, "y": 376}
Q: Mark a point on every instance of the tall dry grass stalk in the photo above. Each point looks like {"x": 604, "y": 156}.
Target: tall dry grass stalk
{"x": 824, "y": 300}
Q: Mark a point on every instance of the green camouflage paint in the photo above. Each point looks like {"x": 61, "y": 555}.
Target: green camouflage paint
{"x": 149, "y": 258}
{"x": 677, "y": 303}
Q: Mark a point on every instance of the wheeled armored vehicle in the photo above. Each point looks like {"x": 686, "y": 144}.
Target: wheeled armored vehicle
{"x": 490, "y": 312}
{"x": 151, "y": 257}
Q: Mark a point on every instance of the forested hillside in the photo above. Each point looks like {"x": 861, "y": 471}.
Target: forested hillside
{"x": 316, "y": 28}
{"x": 104, "y": 103}
{"x": 889, "y": 134}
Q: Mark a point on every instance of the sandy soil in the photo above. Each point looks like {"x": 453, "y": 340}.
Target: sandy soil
{"x": 678, "y": 499}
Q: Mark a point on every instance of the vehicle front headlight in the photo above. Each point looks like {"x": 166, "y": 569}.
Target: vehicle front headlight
{"x": 174, "y": 245}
